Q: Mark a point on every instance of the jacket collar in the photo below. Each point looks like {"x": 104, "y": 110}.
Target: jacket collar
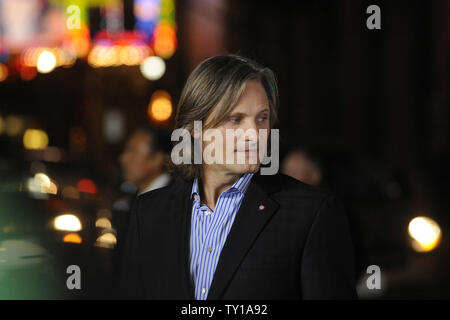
{"x": 240, "y": 185}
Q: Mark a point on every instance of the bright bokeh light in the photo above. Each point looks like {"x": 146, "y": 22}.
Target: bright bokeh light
{"x": 425, "y": 233}
{"x": 107, "y": 54}
{"x": 146, "y": 10}
{"x": 35, "y": 139}
{"x": 3, "y": 72}
{"x": 153, "y": 68}
{"x": 50, "y": 189}
{"x": 46, "y": 61}
{"x": 79, "y": 40}
{"x": 165, "y": 40}
{"x": 41, "y": 183}
{"x": 72, "y": 238}
{"x": 43, "y": 179}
{"x": 30, "y": 56}
{"x": 103, "y": 223}
{"x": 160, "y": 106}
{"x": 86, "y": 186}
{"x": 103, "y": 55}
{"x": 107, "y": 240}
{"x": 46, "y": 58}
{"x": 131, "y": 55}
{"x": 67, "y": 222}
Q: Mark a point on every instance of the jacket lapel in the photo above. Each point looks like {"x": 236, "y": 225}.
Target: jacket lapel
{"x": 181, "y": 212}
{"x": 255, "y": 211}
{"x": 185, "y": 243}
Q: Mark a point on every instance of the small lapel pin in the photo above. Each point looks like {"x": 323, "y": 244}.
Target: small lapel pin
{"x": 261, "y": 207}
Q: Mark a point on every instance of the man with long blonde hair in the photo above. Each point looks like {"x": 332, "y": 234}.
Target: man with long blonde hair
{"x": 230, "y": 227}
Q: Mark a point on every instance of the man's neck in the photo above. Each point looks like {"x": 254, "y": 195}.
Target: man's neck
{"x": 213, "y": 183}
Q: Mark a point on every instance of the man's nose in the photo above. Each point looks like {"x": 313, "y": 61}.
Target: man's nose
{"x": 251, "y": 134}
{"x": 251, "y": 125}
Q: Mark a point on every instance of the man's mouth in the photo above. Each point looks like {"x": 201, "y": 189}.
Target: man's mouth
{"x": 248, "y": 152}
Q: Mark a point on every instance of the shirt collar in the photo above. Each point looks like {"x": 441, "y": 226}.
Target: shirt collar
{"x": 240, "y": 185}
{"x": 162, "y": 181}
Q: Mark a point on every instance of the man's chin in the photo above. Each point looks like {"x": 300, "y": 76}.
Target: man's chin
{"x": 130, "y": 179}
{"x": 244, "y": 168}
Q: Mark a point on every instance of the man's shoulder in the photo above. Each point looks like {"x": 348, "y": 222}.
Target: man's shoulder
{"x": 283, "y": 184}
{"x": 174, "y": 189}
{"x": 299, "y": 199}
{"x": 279, "y": 186}
{"x": 294, "y": 194}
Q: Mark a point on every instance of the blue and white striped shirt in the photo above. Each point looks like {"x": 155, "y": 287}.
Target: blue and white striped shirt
{"x": 209, "y": 230}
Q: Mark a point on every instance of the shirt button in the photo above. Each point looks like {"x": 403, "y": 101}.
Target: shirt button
{"x": 208, "y": 212}
{"x": 209, "y": 249}
{"x": 203, "y": 290}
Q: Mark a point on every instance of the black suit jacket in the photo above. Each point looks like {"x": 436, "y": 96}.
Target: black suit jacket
{"x": 297, "y": 247}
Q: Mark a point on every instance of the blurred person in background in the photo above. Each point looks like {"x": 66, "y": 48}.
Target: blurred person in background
{"x": 144, "y": 157}
{"x": 304, "y": 166}
{"x": 311, "y": 166}
{"x": 143, "y": 163}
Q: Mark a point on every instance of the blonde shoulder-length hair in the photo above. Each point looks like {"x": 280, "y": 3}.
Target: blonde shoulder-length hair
{"x": 213, "y": 88}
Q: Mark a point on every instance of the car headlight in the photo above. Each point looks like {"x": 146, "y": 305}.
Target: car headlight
{"x": 425, "y": 233}
{"x": 67, "y": 222}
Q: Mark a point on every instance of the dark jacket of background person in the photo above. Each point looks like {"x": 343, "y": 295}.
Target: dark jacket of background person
{"x": 123, "y": 222}
{"x": 297, "y": 247}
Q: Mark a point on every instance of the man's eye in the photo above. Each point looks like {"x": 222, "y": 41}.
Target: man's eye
{"x": 262, "y": 119}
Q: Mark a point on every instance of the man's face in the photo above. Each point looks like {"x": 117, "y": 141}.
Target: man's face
{"x": 251, "y": 112}
{"x": 138, "y": 164}
{"x": 299, "y": 166}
